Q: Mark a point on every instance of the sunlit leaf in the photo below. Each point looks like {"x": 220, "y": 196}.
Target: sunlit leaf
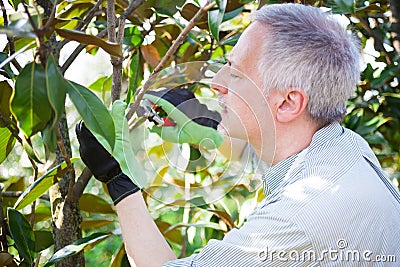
{"x": 120, "y": 259}
{"x": 215, "y": 17}
{"x": 76, "y": 247}
{"x": 30, "y": 103}
{"x": 93, "y": 203}
{"x": 174, "y": 235}
{"x": 5, "y": 99}
{"x": 111, "y": 48}
{"x": 95, "y": 115}
{"x": 7, "y": 141}
{"x": 41, "y": 185}
{"x": 22, "y": 234}
{"x": 123, "y": 151}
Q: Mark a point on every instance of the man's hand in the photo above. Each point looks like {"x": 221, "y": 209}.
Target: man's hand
{"x": 103, "y": 166}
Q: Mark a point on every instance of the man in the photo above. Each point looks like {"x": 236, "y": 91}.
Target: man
{"x": 327, "y": 201}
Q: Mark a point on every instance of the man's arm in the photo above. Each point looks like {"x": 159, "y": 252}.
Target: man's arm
{"x": 144, "y": 243}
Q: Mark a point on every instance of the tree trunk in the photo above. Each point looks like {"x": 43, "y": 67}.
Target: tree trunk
{"x": 395, "y": 20}
{"x": 66, "y": 218}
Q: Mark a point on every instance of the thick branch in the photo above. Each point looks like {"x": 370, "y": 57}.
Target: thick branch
{"x": 81, "y": 183}
{"x": 115, "y": 61}
{"x": 171, "y": 51}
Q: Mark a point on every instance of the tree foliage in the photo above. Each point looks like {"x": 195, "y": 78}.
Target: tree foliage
{"x": 190, "y": 205}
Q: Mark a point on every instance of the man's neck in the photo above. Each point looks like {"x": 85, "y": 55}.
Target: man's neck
{"x": 289, "y": 140}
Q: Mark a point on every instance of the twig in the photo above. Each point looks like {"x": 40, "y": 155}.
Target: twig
{"x": 31, "y": 21}
{"x": 132, "y": 6}
{"x": 89, "y": 16}
{"x": 32, "y": 217}
{"x": 137, "y": 123}
{"x": 51, "y": 17}
{"x": 115, "y": 61}
{"x": 67, "y": 159}
{"x": 171, "y": 51}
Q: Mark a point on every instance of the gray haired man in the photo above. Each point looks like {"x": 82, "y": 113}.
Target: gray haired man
{"x": 328, "y": 203}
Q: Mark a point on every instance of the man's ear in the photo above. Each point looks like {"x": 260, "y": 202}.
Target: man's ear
{"x": 293, "y": 104}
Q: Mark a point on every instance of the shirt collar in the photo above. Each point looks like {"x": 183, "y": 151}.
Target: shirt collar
{"x": 274, "y": 175}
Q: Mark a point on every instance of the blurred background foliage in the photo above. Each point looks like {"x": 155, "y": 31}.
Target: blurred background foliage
{"x": 206, "y": 197}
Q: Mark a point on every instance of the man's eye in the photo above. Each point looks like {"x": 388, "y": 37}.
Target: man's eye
{"x": 233, "y": 75}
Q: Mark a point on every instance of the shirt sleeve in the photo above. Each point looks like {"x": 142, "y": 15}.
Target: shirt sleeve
{"x": 266, "y": 239}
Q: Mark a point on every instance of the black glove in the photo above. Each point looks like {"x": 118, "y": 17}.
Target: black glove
{"x": 103, "y": 166}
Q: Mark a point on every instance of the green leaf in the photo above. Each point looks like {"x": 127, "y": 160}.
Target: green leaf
{"x": 232, "y": 40}
{"x": 76, "y": 247}
{"x": 6, "y": 68}
{"x": 7, "y": 142}
{"x": 93, "y": 203}
{"x": 232, "y": 14}
{"x": 215, "y": 17}
{"x": 370, "y": 126}
{"x": 132, "y": 36}
{"x": 30, "y": 104}
{"x": 95, "y": 115}
{"x": 135, "y": 76}
{"x": 5, "y": 99}
{"x": 22, "y": 234}
{"x": 44, "y": 239}
{"x": 98, "y": 85}
{"x": 94, "y": 223}
{"x": 344, "y": 6}
{"x": 111, "y": 48}
{"x": 56, "y": 89}
{"x": 123, "y": 151}
{"x": 120, "y": 259}
{"x": 30, "y": 151}
{"x": 41, "y": 185}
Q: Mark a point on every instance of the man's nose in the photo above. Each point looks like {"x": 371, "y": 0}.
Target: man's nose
{"x": 219, "y": 83}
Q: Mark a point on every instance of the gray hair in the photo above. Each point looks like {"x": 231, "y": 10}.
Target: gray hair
{"x": 310, "y": 50}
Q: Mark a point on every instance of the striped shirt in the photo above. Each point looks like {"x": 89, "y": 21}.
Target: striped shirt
{"x": 332, "y": 207}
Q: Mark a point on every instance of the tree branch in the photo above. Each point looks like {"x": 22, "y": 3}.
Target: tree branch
{"x": 171, "y": 51}
{"x": 115, "y": 61}
{"x": 67, "y": 159}
{"x": 132, "y": 6}
{"x": 81, "y": 183}
{"x": 377, "y": 39}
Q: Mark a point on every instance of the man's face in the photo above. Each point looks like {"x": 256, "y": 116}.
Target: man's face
{"x": 246, "y": 114}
